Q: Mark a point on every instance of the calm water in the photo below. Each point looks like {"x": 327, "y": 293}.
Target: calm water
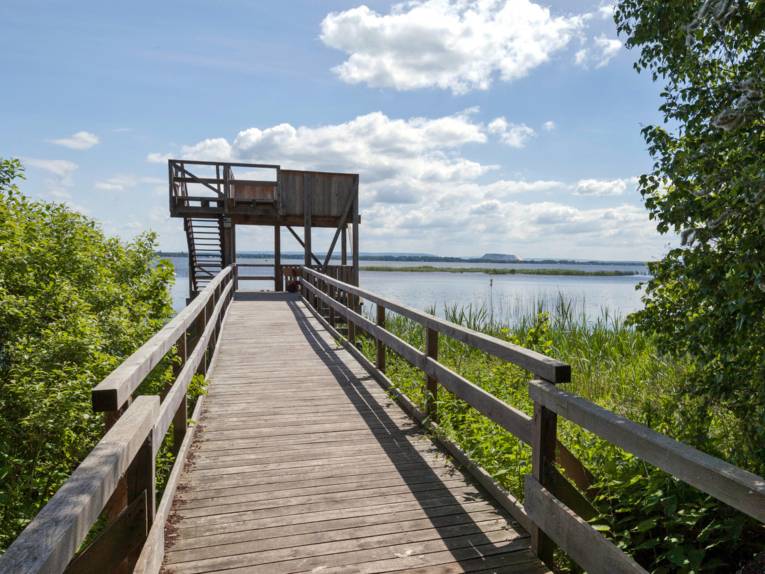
{"x": 507, "y": 296}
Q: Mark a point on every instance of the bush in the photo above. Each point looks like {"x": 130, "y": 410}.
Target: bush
{"x": 73, "y": 304}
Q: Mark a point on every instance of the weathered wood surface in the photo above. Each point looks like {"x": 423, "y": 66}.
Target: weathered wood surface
{"x": 541, "y": 365}
{"x": 590, "y": 549}
{"x": 301, "y": 463}
{"x": 116, "y": 389}
{"x": 740, "y": 489}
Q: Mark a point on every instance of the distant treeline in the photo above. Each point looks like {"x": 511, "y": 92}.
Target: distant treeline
{"x": 494, "y": 271}
{"x": 418, "y": 258}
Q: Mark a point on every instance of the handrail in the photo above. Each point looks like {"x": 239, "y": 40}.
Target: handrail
{"x": 49, "y": 542}
{"x": 115, "y": 390}
{"x": 734, "y": 486}
{"x": 118, "y": 476}
{"x": 552, "y": 506}
{"x": 548, "y": 368}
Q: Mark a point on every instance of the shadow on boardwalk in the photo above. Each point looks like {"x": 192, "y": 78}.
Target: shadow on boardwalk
{"x": 434, "y": 497}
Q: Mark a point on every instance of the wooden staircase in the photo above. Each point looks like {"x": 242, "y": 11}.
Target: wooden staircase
{"x": 205, "y": 241}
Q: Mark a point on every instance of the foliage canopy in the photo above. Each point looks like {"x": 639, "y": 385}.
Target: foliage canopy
{"x": 707, "y": 296}
{"x": 73, "y": 304}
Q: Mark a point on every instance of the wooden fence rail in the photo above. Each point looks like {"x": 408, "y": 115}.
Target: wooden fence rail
{"x": 554, "y": 510}
{"x": 116, "y": 481}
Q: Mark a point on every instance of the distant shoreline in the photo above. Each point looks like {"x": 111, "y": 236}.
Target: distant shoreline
{"x": 494, "y": 271}
{"x": 430, "y": 259}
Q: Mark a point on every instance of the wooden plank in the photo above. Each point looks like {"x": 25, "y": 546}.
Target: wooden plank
{"x": 50, "y": 541}
{"x": 114, "y": 391}
{"x": 740, "y": 489}
{"x": 585, "y": 545}
{"x": 539, "y": 364}
{"x": 337, "y": 479}
{"x": 326, "y": 531}
{"x": 504, "y": 498}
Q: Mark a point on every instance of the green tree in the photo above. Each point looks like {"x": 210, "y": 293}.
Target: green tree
{"x": 706, "y": 299}
{"x": 73, "y": 304}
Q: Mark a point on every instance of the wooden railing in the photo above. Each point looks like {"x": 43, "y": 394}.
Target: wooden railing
{"x": 554, "y": 511}
{"x": 115, "y": 484}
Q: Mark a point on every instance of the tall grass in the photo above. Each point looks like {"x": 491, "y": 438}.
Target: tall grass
{"x": 616, "y": 367}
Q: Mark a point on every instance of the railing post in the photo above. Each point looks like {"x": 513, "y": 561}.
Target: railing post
{"x": 351, "y": 324}
{"x": 431, "y": 350}
{"x": 203, "y": 316}
{"x": 544, "y": 439}
{"x": 380, "y": 362}
{"x": 180, "y": 419}
{"x": 141, "y": 478}
{"x": 331, "y": 293}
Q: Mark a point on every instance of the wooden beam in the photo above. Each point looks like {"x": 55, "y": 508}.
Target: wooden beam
{"x": 153, "y": 551}
{"x": 278, "y": 278}
{"x": 344, "y": 245}
{"x": 117, "y": 541}
{"x": 307, "y": 204}
{"x": 179, "y": 388}
{"x": 297, "y": 237}
{"x": 585, "y": 545}
{"x": 115, "y": 390}
{"x": 380, "y": 360}
{"x": 355, "y": 245}
{"x": 543, "y": 442}
{"x": 431, "y": 350}
{"x": 50, "y": 541}
{"x": 539, "y": 364}
{"x": 736, "y": 487}
{"x": 511, "y": 419}
{"x": 343, "y": 220}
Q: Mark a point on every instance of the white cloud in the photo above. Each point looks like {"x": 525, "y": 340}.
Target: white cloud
{"x": 384, "y": 149}
{"x": 514, "y": 135}
{"x": 58, "y": 167}
{"x": 158, "y": 157}
{"x": 124, "y": 182}
{"x": 604, "y": 187}
{"x": 420, "y": 190}
{"x": 78, "y": 141}
{"x": 598, "y": 53}
{"x": 448, "y": 44}
{"x": 606, "y": 11}
{"x": 54, "y": 178}
{"x": 548, "y": 126}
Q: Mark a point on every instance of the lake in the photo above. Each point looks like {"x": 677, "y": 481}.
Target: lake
{"x": 506, "y": 296}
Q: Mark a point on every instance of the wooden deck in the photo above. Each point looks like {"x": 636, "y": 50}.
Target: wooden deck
{"x": 301, "y": 463}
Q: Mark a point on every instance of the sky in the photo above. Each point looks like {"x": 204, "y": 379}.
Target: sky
{"x": 503, "y": 126}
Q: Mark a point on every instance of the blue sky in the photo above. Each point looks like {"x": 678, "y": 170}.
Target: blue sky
{"x": 497, "y": 125}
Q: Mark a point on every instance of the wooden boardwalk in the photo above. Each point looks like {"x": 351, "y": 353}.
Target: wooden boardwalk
{"x": 302, "y": 463}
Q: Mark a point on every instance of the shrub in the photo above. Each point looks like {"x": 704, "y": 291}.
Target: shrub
{"x": 73, "y": 304}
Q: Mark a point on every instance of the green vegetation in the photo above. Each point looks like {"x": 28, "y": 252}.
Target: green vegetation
{"x": 666, "y": 525}
{"x": 496, "y": 271}
{"x": 73, "y": 304}
{"x": 706, "y": 298}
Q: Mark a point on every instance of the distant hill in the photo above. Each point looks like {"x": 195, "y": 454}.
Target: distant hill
{"x": 499, "y": 258}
